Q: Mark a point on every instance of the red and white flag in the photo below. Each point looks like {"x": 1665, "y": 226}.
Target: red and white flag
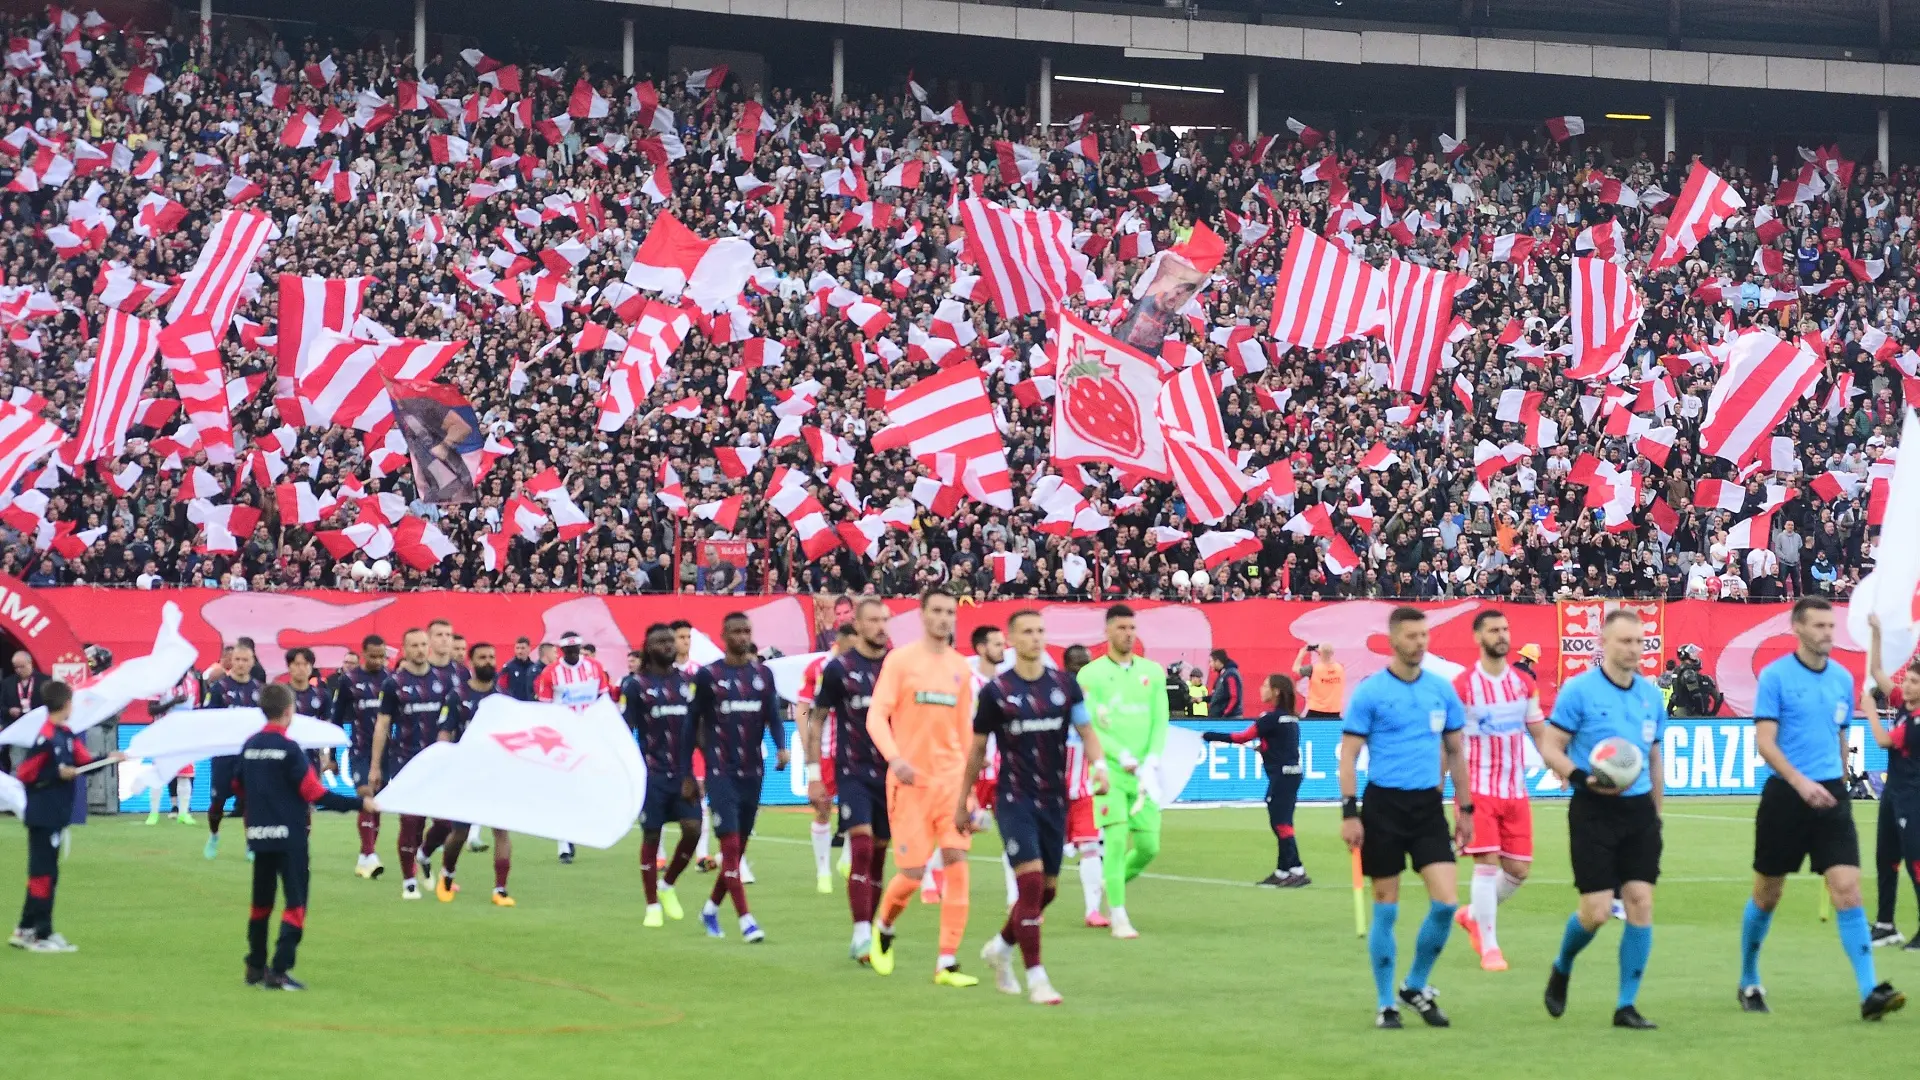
{"x": 1006, "y": 566}
{"x": 1419, "y": 318}
{"x": 127, "y": 346}
{"x": 212, "y": 287}
{"x": 1325, "y": 295}
{"x": 24, "y": 439}
{"x": 1218, "y": 548}
{"x": 1704, "y": 204}
{"x": 1204, "y": 471}
{"x": 1339, "y": 557}
{"x": 1026, "y": 257}
{"x": 1763, "y": 378}
{"x": 297, "y": 502}
{"x": 807, "y": 518}
{"x": 1105, "y": 411}
{"x": 1607, "y": 309}
{"x": 1563, "y": 128}
{"x": 190, "y": 352}
{"x": 309, "y": 305}
{"x": 1719, "y": 495}
{"x": 651, "y": 342}
{"x": 725, "y": 513}
{"x": 948, "y": 415}
{"x": 674, "y": 261}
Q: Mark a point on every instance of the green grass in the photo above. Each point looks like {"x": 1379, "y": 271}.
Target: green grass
{"x": 1226, "y": 980}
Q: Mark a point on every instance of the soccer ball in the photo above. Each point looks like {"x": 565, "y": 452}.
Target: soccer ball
{"x": 1616, "y": 762}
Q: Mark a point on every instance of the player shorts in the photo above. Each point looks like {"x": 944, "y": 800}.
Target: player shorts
{"x": 1080, "y": 827}
{"x": 357, "y": 769}
{"x": 1403, "y": 827}
{"x": 1788, "y": 832}
{"x": 735, "y": 802}
{"x": 1029, "y": 831}
{"x": 1502, "y": 827}
{"x": 863, "y": 801}
{"x": 224, "y": 770}
{"x": 1612, "y": 839}
{"x": 1283, "y": 796}
{"x": 664, "y": 804}
{"x": 922, "y": 822}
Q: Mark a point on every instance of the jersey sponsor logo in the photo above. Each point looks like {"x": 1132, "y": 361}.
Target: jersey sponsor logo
{"x": 1045, "y": 723}
{"x": 740, "y": 706}
{"x": 541, "y": 745}
{"x": 669, "y": 710}
{"x": 267, "y": 832}
{"x": 259, "y": 754}
{"x": 934, "y": 697}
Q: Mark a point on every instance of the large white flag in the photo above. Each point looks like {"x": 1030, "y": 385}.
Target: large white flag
{"x": 13, "y": 795}
{"x": 530, "y": 767}
{"x": 139, "y": 679}
{"x": 1889, "y": 590}
{"x": 184, "y": 736}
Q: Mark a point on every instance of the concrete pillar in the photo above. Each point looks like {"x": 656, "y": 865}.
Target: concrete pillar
{"x": 1460, "y": 112}
{"x": 419, "y": 36}
{"x": 626, "y": 48}
{"x": 1253, "y": 105}
{"x": 1886, "y": 158}
{"x": 1668, "y": 141}
{"x": 1046, "y": 92}
{"x": 206, "y": 22}
{"x": 839, "y": 69}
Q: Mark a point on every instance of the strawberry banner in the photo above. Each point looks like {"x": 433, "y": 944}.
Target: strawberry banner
{"x": 1104, "y": 412}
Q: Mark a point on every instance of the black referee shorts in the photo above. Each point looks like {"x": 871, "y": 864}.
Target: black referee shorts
{"x": 1403, "y": 827}
{"x": 1788, "y": 832}
{"x": 1613, "y": 839}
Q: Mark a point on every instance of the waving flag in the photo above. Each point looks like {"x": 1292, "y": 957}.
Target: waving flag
{"x": 127, "y": 345}
{"x": 1763, "y": 378}
{"x": 1419, "y": 317}
{"x": 1705, "y": 203}
{"x": 1026, "y": 257}
{"x": 674, "y": 261}
{"x": 1218, "y": 548}
{"x": 1325, "y": 295}
{"x": 949, "y": 415}
{"x": 307, "y": 306}
{"x": 1106, "y": 402}
{"x": 212, "y": 287}
{"x": 1607, "y": 309}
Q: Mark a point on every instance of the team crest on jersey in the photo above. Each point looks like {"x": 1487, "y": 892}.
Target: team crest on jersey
{"x": 1057, "y": 697}
{"x": 758, "y": 684}
{"x": 686, "y": 691}
{"x": 436, "y": 687}
{"x": 541, "y": 745}
{"x": 1840, "y": 712}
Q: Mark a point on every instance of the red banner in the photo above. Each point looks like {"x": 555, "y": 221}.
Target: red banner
{"x": 1263, "y": 636}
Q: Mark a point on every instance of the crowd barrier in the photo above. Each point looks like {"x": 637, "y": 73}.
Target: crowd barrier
{"x": 1699, "y": 756}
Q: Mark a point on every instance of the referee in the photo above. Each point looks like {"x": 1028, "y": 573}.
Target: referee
{"x": 277, "y": 783}
{"x": 1403, "y": 718}
{"x": 1613, "y": 835}
{"x": 1800, "y": 715}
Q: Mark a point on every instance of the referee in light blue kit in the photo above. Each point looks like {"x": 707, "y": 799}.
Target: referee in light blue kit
{"x": 1800, "y": 715}
{"x": 1405, "y": 718}
{"x": 1613, "y": 835}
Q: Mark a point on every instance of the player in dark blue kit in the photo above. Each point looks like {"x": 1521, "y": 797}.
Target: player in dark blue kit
{"x": 281, "y": 787}
{"x": 411, "y": 701}
{"x": 476, "y": 684}
{"x": 1277, "y": 730}
{"x": 356, "y": 705}
{"x": 1027, "y": 710}
{"x": 237, "y": 689}
{"x": 1407, "y": 719}
{"x": 1800, "y": 716}
{"x": 859, "y": 772}
{"x": 1613, "y": 834}
{"x": 310, "y": 698}
{"x": 48, "y": 771}
{"x": 734, "y": 708}
{"x": 659, "y": 706}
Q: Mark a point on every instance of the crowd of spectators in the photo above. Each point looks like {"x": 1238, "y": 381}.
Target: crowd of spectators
{"x": 1531, "y": 538}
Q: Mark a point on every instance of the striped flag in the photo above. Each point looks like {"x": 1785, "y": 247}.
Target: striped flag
{"x": 1188, "y": 409}
{"x": 651, "y": 342}
{"x": 190, "y": 352}
{"x": 24, "y": 439}
{"x": 1026, "y": 257}
{"x": 1705, "y": 202}
{"x": 339, "y": 383}
{"x": 127, "y": 345}
{"x": 307, "y": 306}
{"x": 1419, "y": 317}
{"x": 1217, "y": 548}
{"x": 1763, "y": 378}
{"x": 1325, "y": 295}
{"x": 212, "y": 287}
{"x": 1607, "y": 309}
{"x": 949, "y": 415}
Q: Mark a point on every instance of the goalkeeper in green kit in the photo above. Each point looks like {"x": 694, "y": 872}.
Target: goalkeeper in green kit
{"x": 1127, "y": 698}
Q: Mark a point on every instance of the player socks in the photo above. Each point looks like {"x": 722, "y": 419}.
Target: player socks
{"x": 683, "y": 853}
{"x": 1636, "y": 946}
{"x": 436, "y": 837}
{"x": 1485, "y": 904}
{"x": 1572, "y": 940}
{"x": 1013, "y": 884}
{"x": 649, "y": 868}
{"x": 1091, "y": 883}
{"x": 1433, "y": 938}
{"x": 706, "y": 830}
{"x": 822, "y": 848}
{"x": 502, "y": 866}
{"x": 1288, "y": 858}
{"x": 1023, "y": 922}
{"x": 1508, "y": 885}
{"x": 1754, "y": 924}
{"x": 894, "y": 900}
{"x": 728, "y": 883}
{"x": 410, "y": 830}
{"x": 369, "y": 832}
{"x": 955, "y": 903}
{"x": 859, "y": 885}
{"x": 1857, "y": 939}
{"x": 1381, "y": 950}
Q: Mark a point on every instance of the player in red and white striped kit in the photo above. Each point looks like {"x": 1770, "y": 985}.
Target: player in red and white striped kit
{"x": 989, "y": 652}
{"x": 1083, "y": 837}
{"x": 1503, "y": 708}
{"x": 822, "y": 828}
{"x": 577, "y": 680}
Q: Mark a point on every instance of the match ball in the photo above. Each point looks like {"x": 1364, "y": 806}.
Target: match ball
{"x": 1616, "y": 762}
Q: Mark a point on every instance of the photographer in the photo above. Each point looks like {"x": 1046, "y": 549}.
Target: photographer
{"x": 1694, "y": 691}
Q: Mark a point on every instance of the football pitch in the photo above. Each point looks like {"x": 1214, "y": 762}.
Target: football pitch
{"x": 1226, "y": 980}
